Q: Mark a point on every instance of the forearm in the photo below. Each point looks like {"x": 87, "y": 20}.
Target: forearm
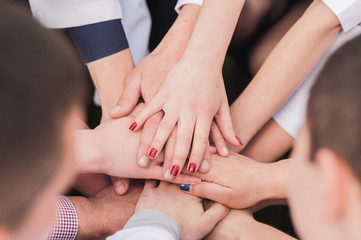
{"x": 284, "y": 69}
{"x": 175, "y": 41}
{"x": 275, "y": 178}
{"x": 213, "y": 31}
{"x": 109, "y": 75}
{"x": 257, "y": 230}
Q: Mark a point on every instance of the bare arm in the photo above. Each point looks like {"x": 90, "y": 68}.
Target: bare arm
{"x": 284, "y": 69}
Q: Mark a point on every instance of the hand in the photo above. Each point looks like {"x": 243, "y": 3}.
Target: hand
{"x": 187, "y": 210}
{"x": 240, "y": 224}
{"x": 192, "y": 95}
{"x": 232, "y": 226}
{"x": 239, "y": 182}
{"x": 106, "y": 213}
{"x": 111, "y": 149}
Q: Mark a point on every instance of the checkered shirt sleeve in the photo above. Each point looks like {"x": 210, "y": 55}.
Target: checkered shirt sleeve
{"x": 65, "y": 225}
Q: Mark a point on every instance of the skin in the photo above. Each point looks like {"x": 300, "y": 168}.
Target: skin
{"x": 239, "y": 182}
{"x": 240, "y": 224}
{"x": 262, "y": 98}
{"x": 98, "y": 151}
{"x": 324, "y": 193}
{"x": 193, "y": 93}
{"x": 146, "y": 79}
{"x": 324, "y": 197}
{"x": 106, "y": 213}
{"x": 269, "y": 144}
{"x": 41, "y": 210}
{"x": 108, "y": 75}
{"x": 195, "y": 222}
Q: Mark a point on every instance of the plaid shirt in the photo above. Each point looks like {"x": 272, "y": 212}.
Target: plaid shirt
{"x": 65, "y": 225}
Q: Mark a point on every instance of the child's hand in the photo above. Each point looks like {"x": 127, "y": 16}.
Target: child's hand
{"x": 187, "y": 210}
{"x": 240, "y": 182}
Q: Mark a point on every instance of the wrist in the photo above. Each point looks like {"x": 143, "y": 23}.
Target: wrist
{"x": 276, "y": 174}
{"x": 88, "y": 157}
{"x": 176, "y": 40}
{"x": 89, "y": 227}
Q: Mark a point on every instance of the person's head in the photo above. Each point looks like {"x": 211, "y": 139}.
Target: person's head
{"x": 325, "y": 179}
{"x": 41, "y": 96}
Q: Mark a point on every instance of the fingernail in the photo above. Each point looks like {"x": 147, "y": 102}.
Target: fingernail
{"x": 185, "y": 187}
{"x": 116, "y": 109}
{"x": 239, "y": 140}
{"x": 225, "y": 150}
{"x": 192, "y": 167}
{"x": 174, "y": 171}
{"x": 167, "y": 175}
{"x": 153, "y": 152}
{"x": 133, "y": 126}
{"x": 205, "y": 165}
{"x": 143, "y": 161}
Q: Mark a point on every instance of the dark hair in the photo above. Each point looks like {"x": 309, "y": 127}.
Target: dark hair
{"x": 41, "y": 79}
{"x": 334, "y": 109}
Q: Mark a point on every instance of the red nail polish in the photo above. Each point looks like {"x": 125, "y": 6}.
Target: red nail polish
{"x": 174, "y": 171}
{"x": 153, "y": 152}
{"x": 239, "y": 140}
{"x": 192, "y": 167}
{"x": 133, "y": 126}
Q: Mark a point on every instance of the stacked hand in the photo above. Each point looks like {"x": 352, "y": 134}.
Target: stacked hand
{"x": 187, "y": 210}
{"x": 240, "y": 182}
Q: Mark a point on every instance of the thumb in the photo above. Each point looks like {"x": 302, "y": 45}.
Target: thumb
{"x": 120, "y": 185}
{"x": 128, "y": 98}
{"x": 212, "y": 216}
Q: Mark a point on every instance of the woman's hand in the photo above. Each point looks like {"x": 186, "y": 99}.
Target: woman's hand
{"x": 111, "y": 149}
{"x": 191, "y": 96}
{"x": 239, "y": 182}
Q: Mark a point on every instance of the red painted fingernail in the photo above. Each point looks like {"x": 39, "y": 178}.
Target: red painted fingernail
{"x": 192, "y": 167}
{"x": 153, "y": 152}
{"x": 239, "y": 140}
{"x": 133, "y": 126}
{"x": 174, "y": 171}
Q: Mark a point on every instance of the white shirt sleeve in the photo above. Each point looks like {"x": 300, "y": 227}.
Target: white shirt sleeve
{"x": 181, "y": 3}
{"x": 292, "y": 115}
{"x": 74, "y": 13}
{"x": 149, "y": 224}
{"x": 348, "y": 12}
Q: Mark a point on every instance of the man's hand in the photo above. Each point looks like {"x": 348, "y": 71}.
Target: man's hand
{"x": 106, "y": 213}
{"x": 186, "y": 209}
{"x": 240, "y": 182}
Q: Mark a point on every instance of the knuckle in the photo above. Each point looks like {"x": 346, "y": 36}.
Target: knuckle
{"x": 152, "y": 123}
{"x": 166, "y": 125}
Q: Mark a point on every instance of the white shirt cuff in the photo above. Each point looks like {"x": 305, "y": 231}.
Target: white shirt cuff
{"x": 348, "y": 12}
{"x": 181, "y": 3}
{"x": 71, "y": 14}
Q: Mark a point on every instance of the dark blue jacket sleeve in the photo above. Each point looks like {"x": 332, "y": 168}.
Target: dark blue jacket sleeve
{"x": 95, "y": 41}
